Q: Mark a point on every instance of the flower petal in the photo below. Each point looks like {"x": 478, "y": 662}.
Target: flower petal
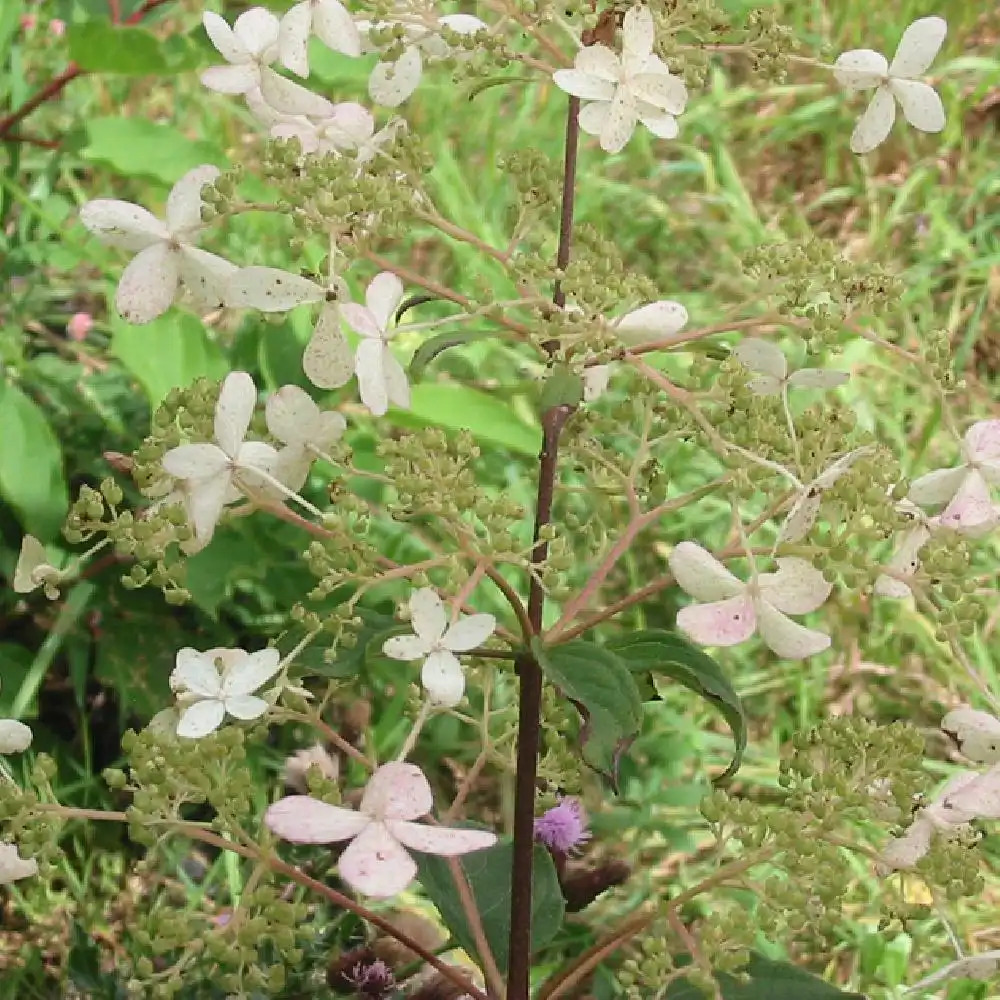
{"x": 620, "y": 122}
{"x": 817, "y": 378}
{"x": 231, "y": 79}
{"x": 971, "y": 509}
{"x": 122, "y": 224}
{"x": 206, "y": 500}
{"x": 720, "y": 623}
{"x": 200, "y": 719}
{"x": 291, "y": 98}
{"x": 922, "y": 107}
{"x": 148, "y": 286}
{"x": 406, "y": 647}
{"x": 196, "y": 672}
{"x": 245, "y": 706}
{"x": 30, "y": 559}
{"x": 384, "y": 293}
{"x": 293, "y": 38}
{"x": 205, "y": 276}
{"x": 448, "y": 842}
{"x": 762, "y": 357}
{"x": 195, "y": 461}
{"x": 663, "y": 126}
{"x": 234, "y": 411}
{"x": 301, "y": 819}
{"x": 801, "y": 517}
{"x": 328, "y": 361}
{"x": 376, "y": 864}
{"x": 600, "y": 62}
{"x": 662, "y": 91}
{"x": 183, "y": 209}
{"x": 256, "y": 30}
{"x": 937, "y": 487}
{"x": 902, "y": 853}
{"x": 788, "y": 639}
{"x": 594, "y": 115}
{"x": 428, "y": 615}
{"x": 15, "y": 737}
{"x": 397, "y": 386}
{"x": 250, "y": 673}
{"x": 654, "y": 321}
{"x": 397, "y": 791}
{"x": 796, "y": 588}
{"x": 595, "y": 382}
{"x": 335, "y": 28}
{"x": 583, "y": 85}
{"x": 982, "y": 441}
{"x": 392, "y": 83}
{"x": 222, "y": 37}
{"x": 875, "y": 124}
{"x": 978, "y": 798}
{"x": 638, "y": 33}
{"x": 701, "y": 575}
{"x": 920, "y": 43}
{"x": 361, "y": 320}
{"x": 860, "y": 69}
{"x": 270, "y": 289}
{"x": 765, "y": 385}
{"x": 443, "y": 678}
{"x": 290, "y": 412}
{"x": 13, "y": 866}
{"x": 468, "y": 632}
{"x": 369, "y": 366}
{"x": 977, "y": 734}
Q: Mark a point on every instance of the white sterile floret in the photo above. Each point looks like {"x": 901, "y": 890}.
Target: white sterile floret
{"x": 33, "y": 569}
{"x": 863, "y": 69}
{"x": 770, "y": 369}
{"x": 976, "y": 734}
{"x": 218, "y": 682}
{"x": 348, "y": 128}
{"x": 391, "y": 83}
{"x": 376, "y": 862}
{"x": 622, "y": 90}
{"x": 13, "y": 867}
{"x": 731, "y": 610}
{"x": 304, "y": 429}
{"x": 965, "y": 489}
{"x": 167, "y": 257}
{"x": 249, "y": 47}
{"x": 15, "y": 737}
{"x": 219, "y": 473}
{"x": 328, "y": 20}
{"x": 436, "y": 642}
{"x": 982, "y": 966}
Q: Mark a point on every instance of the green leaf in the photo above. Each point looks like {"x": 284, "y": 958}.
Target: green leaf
{"x": 769, "y": 980}
{"x": 136, "y": 147}
{"x": 657, "y": 653}
{"x": 496, "y": 81}
{"x": 31, "y": 466}
{"x": 171, "y": 351}
{"x": 604, "y": 690}
{"x": 488, "y": 874}
{"x": 430, "y": 349}
{"x": 562, "y": 388}
{"x": 99, "y": 46}
{"x": 459, "y": 407}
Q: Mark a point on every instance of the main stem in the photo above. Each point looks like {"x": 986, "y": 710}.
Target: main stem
{"x": 528, "y": 669}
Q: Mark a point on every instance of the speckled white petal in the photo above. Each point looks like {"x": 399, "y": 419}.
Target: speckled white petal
{"x": 982, "y": 441}
{"x": 468, "y": 632}
{"x": 222, "y": 37}
{"x": 654, "y": 321}
{"x": 369, "y": 368}
{"x": 876, "y": 123}
{"x": 817, "y": 378}
{"x": 662, "y": 92}
{"x": 335, "y": 28}
{"x": 448, "y": 842}
{"x": 195, "y": 461}
{"x": 701, "y": 575}
{"x": 290, "y": 413}
{"x": 122, "y": 224}
{"x": 397, "y": 386}
{"x": 390, "y": 84}
{"x": 620, "y": 121}
{"x": 13, "y": 866}
{"x": 204, "y": 276}
{"x": 761, "y": 356}
{"x": 196, "y": 672}
{"x": 786, "y": 638}
{"x": 183, "y": 210}
{"x": 256, "y": 30}
{"x": 200, "y": 719}
{"x": 245, "y": 706}
{"x": 251, "y": 673}
{"x": 976, "y": 733}
{"x": 971, "y": 510}
{"x": 427, "y": 614}
{"x": 15, "y": 737}
{"x": 583, "y": 85}
{"x": 593, "y": 116}
{"x": 638, "y": 32}
{"x": 406, "y": 647}
{"x": 271, "y": 289}
{"x": 231, "y": 79}
{"x": 796, "y": 588}
{"x": 922, "y": 107}
{"x": 920, "y": 43}
{"x": 328, "y": 361}
{"x": 383, "y": 296}
{"x": 293, "y": 38}
{"x": 443, "y": 678}
{"x": 937, "y": 487}
{"x": 663, "y": 126}
{"x": 860, "y": 69}
{"x": 148, "y": 285}
{"x": 234, "y": 411}
{"x": 291, "y": 98}
{"x": 301, "y": 819}
{"x": 397, "y": 791}
{"x": 719, "y": 623}
{"x": 600, "y": 62}
{"x": 376, "y": 864}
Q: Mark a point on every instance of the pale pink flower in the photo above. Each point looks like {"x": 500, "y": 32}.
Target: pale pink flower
{"x": 79, "y": 325}
{"x": 57, "y": 27}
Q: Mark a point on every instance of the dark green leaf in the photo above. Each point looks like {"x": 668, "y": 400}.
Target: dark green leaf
{"x": 430, "y": 349}
{"x": 496, "y": 81}
{"x": 561, "y": 388}
{"x": 768, "y": 981}
{"x": 656, "y": 654}
{"x": 31, "y": 465}
{"x": 102, "y": 47}
{"x": 83, "y": 966}
{"x": 603, "y": 688}
{"x": 488, "y": 874}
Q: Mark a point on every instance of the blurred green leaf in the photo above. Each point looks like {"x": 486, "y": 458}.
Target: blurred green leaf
{"x": 489, "y": 876}
{"x": 431, "y": 348}
{"x": 459, "y": 407}
{"x": 656, "y": 652}
{"x": 31, "y": 469}
{"x": 102, "y": 47}
{"x": 602, "y": 686}
{"x": 171, "y": 351}
{"x": 769, "y": 980}
{"x": 137, "y": 147}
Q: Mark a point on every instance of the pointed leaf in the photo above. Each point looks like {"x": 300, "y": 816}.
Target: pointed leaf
{"x": 769, "y": 980}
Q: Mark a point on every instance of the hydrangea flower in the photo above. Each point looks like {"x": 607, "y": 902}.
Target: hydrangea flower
{"x": 303, "y": 428}
{"x": 13, "y": 866}
{"x": 563, "y": 828}
{"x": 436, "y": 643}
{"x": 376, "y": 862}
{"x": 771, "y": 377}
{"x": 33, "y": 570}
{"x": 905, "y": 561}
{"x": 733, "y": 610}
{"x": 249, "y": 47}
{"x": 624, "y": 90}
{"x": 863, "y": 69}
{"x": 965, "y": 489}
{"x": 348, "y": 128}
{"x": 218, "y": 682}
{"x": 328, "y": 20}
{"x": 391, "y": 83}
{"x": 167, "y": 257}
{"x": 216, "y": 474}
{"x": 975, "y": 733}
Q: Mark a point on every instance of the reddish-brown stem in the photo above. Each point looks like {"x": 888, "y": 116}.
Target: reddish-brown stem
{"x": 115, "y": 11}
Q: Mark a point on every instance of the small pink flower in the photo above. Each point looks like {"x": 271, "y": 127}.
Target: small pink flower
{"x": 29, "y": 22}
{"x": 79, "y": 325}
{"x": 563, "y": 828}
{"x": 57, "y": 27}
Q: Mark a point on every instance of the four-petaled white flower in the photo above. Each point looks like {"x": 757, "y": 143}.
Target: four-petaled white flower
{"x": 436, "y": 643}
{"x": 376, "y": 861}
{"x": 219, "y": 681}
{"x": 381, "y": 378}
{"x": 771, "y": 377}
{"x": 33, "y": 570}
{"x": 734, "y": 610}
{"x": 328, "y": 20}
{"x": 623, "y": 90}
{"x": 216, "y": 474}
{"x": 304, "y": 429}
{"x": 862, "y": 69}
{"x": 391, "y": 83}
{"x": 249, "y": 47}
{"x": 965, "y": 489}
{"x": 13, "y": 866}
{"x": 167, "y": 257}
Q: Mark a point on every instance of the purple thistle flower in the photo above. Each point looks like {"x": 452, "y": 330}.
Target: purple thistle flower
{"x": 374, "y": 979}
{"x": 563, "y": 828}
